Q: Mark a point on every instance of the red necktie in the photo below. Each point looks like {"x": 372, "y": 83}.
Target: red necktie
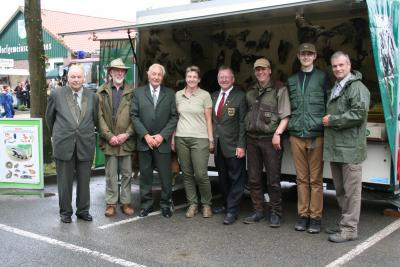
{"x": 220, "y": 106}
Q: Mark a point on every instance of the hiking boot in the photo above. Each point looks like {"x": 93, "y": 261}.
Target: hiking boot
{"x": 301, "y": 223}
{"x": 315, "y": 226}
{"x": 254, "y": 217}
{"x": 274, "y": 220}
{"x": 110, "y": 211}
{"x": 191, "y": 211}
{"x": 127, "y": 209}
{"x": 207, "y": 212}
{"x": 343, "y": 236}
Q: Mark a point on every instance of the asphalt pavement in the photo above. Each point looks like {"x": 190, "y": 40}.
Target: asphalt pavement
{"x": 31, "y": 234}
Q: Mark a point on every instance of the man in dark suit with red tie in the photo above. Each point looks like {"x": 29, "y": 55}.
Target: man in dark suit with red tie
{"x": 229, "y": 106}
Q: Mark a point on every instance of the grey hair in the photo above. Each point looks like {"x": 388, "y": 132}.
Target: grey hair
{"x": 341, "y": 54}
{"x": 77, "y": 67}
{"x": 156, "y": 65}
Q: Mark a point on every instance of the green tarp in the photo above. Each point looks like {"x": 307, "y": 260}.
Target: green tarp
{"x": 384, "y": 27}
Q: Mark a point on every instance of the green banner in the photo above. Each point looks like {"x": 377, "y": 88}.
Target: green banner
{"x": 384, "y": 27}
{"x": 112, "y": 49}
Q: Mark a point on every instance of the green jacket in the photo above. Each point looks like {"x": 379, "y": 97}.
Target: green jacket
{"x": 123, "y": 124}
{"x": 345, "y": 138}
{"x": 230, "y": 130}
{"x": 307, "y": 107}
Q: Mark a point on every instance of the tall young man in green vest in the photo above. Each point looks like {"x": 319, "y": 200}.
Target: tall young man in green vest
{"x": 307, "y": 91}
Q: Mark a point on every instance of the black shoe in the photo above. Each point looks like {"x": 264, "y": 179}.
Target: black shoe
{"x": 274, "y": 220}
{"x": 166, "y": 212}
{"x": 254, "y": 217}
{"x": 315, "y": 226}
{"x": 85, "y": 216}
{"x": 144, "y": 212}
{"x": 302, "y": 223}
{"x": 229, "y": 219}
{"x": 219, "y": 210}
{"x": 65, "y": 218}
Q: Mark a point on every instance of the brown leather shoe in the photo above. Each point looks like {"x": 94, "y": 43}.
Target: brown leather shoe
{"x": 110, "y": 211}
{"x": 191, "y": 211}
{"x": 127, "y": 209}
{"x": 207, "y": 212}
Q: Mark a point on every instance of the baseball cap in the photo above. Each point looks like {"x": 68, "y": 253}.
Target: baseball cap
{"x": 307, "y": 47}
{"x": 262, "y": 62}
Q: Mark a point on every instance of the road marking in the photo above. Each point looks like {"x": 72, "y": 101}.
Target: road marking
{"x": 136, "y": 218}
{"x": 360, "y": 248}
{"x": 68, "y": 246}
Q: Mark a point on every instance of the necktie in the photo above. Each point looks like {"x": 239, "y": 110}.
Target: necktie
{"x": 76, "y": 106}
{"x": 155, "y": 98}
{"x": 220, "y": 106}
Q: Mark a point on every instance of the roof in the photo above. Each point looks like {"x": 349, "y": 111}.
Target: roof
{"x": 55, "y": 22}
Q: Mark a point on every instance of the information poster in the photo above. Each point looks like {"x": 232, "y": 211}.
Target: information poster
{"x": 21, "y": 143}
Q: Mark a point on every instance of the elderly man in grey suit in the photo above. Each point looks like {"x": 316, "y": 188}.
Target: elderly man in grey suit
{"x": 71, "y": 116}
{"x": 154, "y": 117}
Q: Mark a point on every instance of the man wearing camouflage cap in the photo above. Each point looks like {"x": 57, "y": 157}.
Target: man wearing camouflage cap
{"x": 307, "y": 91}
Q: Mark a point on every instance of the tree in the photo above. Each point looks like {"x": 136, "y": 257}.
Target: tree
{"x": 37, "y": 58}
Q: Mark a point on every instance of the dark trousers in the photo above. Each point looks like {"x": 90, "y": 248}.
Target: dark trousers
{"x": 260, "y": 153}
{"x": 148, "y": 159}
{"x": 232, "y": 176}
{"x": 66, "y": 171}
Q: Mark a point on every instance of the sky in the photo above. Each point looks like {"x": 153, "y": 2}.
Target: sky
{"x": 115, "y": 9}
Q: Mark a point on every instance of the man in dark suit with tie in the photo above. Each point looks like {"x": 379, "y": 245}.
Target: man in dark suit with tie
{"x": 71, "y": 116}
{"x": 154, "y": 117}
{"x": 229, "y": 105}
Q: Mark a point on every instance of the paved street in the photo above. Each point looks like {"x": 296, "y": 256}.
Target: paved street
{"x": 32, "y": 235}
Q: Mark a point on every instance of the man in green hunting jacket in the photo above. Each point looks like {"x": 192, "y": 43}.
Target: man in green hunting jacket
{"x": 307, "y": 91}
{"x": 117, "y": 136}
{"x": 266, "y": 119}
{"x": 345, "y": 144}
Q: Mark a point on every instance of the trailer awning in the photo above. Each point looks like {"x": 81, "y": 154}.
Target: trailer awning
{"x": 16, "y": 72}
{"x": 228, "y": 11}
{"x": 241, "y": 11}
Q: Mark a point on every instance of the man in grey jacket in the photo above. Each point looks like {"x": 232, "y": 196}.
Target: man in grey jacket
{"x": 345, "y": 145}
{"x": 71, "y": 116}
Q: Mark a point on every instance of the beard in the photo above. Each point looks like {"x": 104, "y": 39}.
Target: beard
{"x": 118, "y": 81}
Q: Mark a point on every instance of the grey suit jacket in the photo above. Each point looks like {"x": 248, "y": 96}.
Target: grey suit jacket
{"x": 230, "y": 129}
{"x": 147, "y": 120}
{"x": 66, "y": 130}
